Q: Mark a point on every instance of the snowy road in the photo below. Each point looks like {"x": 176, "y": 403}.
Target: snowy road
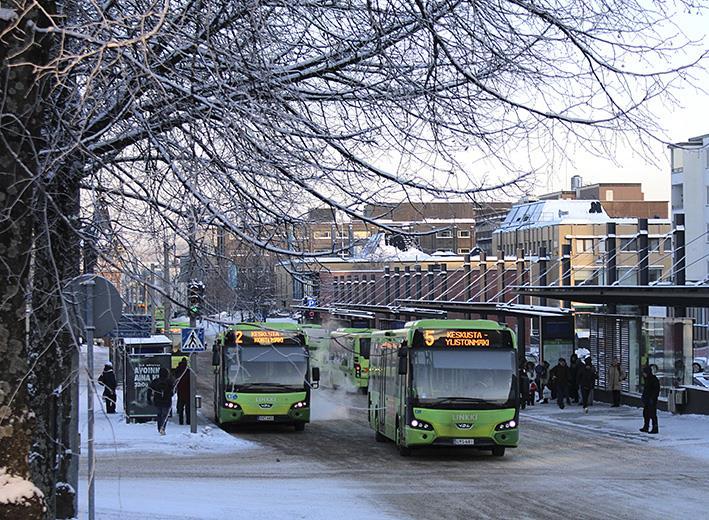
{"x": 568, "y": 466}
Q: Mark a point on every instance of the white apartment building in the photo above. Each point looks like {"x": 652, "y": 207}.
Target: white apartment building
{"x": 690, "y": 196}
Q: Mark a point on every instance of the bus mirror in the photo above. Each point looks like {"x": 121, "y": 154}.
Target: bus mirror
{"x": 316, "y": 374}
{"x": 215, "y": 355}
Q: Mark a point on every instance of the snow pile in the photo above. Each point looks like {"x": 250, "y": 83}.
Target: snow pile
{"x": 377, "y": 250}
{"x": 16, "y": 490}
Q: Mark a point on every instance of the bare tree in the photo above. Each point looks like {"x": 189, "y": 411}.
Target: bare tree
{"x": 252, "y": 112}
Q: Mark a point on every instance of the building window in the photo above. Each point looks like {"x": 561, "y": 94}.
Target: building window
{"x": 609, "y": 195}
{"x": 627, "y": 276}
{"x": 463, "y": 233}
{"x": 653, "y": 244}
{"x": 654, "y": 274}
{"x": 628, "y": 244}
{"x": 463, "y": 250}
{"x": 667, "y": 245}
{"x": 362, "y": 234}
{"x": 584, "y": 245}
{"x": 677, "y": 160}
{"x": 321, "y": 235}
{"x": 446, "y": 233}
{"x": 707, "y": 201}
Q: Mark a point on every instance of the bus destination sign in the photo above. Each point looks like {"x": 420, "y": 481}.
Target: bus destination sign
{"x": 457, "y": 338}
{"x": 264, "y": 337}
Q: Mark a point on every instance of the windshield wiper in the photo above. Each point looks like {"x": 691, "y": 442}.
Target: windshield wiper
{"x": 442, "y": 400}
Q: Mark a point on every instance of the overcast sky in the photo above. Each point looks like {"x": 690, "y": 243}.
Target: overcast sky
{"x": 692, "y": 119}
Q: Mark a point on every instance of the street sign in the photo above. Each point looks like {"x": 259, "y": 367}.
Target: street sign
{"x": 107, "y": 303}
{"x": 133, "y": 326}
{"x": 193, "y": 340}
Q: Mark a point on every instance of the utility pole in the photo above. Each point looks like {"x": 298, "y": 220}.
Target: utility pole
{"x": 167, "y": 310}
{"x": 193, "y": 307}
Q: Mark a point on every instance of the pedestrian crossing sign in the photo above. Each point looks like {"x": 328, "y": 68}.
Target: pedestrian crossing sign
{"x": 193, "y": 340}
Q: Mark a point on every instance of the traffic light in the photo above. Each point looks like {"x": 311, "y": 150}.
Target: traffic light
{"x": 195, "y": 298}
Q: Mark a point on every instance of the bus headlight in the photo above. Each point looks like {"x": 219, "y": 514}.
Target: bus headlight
{"x": 232, "y": 406}
{"x": 300, "y": 404}
{"x": 420, "y": 425}
{"x": 507, "y": 425}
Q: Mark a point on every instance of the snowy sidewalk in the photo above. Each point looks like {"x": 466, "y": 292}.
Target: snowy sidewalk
{"x": 688, "y": 434}
{"x": 112, "y": 434}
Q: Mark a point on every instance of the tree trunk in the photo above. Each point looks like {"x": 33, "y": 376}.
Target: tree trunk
{"x": 20, "y": 123}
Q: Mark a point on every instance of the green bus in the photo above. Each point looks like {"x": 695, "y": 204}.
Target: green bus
{"x": 445, "y": 383}
{"x": 348, "y": 359}
{"x": 263, "y": 375}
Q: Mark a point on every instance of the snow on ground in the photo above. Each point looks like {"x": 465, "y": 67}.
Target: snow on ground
{"x": 214, "y": 498}
{"x": 688, "y": 434}
{"x": 113, "y": 434}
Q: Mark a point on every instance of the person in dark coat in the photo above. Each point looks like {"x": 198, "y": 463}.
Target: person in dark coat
{"x": 182, "y": 376}
{"x": 587, "y": 382}
{"x": 160, "y": 392}
{"x": 107, "y": 379}
{"x": 523, "y": 388}
{"x": 574, "y": 367}
{"x": 651, "y": 392}
{"x": 560, "y": 376}
{"x": 542, "y": 376}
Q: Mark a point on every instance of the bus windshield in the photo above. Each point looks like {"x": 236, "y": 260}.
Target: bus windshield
{"x": 445, "y": 377}
{"x": 263, "y": 367}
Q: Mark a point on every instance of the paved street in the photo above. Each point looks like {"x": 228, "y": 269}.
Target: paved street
{"x": 568, "y": 466}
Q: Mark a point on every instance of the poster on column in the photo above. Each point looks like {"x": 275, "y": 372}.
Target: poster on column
{"x": 140, "y": 370}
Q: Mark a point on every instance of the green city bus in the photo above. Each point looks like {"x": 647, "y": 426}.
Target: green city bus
{"x": 445, "y": 383}
{"x": 348, "y": 359}
{"x": 263, "y": 375}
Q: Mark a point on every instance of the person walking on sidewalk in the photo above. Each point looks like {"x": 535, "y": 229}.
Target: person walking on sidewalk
{"x": 615, "y": 376}
{"x": 160, "y": 392}
{"x": 182, "y": 376}
{"x": 574, "y": 367}
{"x": 587, "y": 381}
{"x": 560, "y": 380}
{"x": 523, "y": 388}
{"x": 540, "y": 373}
{"x": 651, "y": 392}
{"x": 107, "y": 379}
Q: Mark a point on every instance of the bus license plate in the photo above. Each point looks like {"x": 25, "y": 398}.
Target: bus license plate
{"x": 463, "y": 442}
{"x": 264, "y": 417}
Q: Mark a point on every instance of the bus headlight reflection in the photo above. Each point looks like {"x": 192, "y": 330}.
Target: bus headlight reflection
{"x": 420, "y": 425}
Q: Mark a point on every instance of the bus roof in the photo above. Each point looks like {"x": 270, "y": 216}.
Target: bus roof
{"x": 266, "y": 325}
{"x": 455, "y": 324}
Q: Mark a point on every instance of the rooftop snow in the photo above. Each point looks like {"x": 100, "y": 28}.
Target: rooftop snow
{"x": 550, "y": 212}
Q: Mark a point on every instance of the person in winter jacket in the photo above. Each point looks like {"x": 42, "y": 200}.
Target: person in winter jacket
{"x": 182, "y": 376}
{"x": 574, "y": 367}
{"x": 587, "y": 382}
{"x": 107, "y": 379}
{"x": 160, "y": 392}
{"x": 523, "y": 388}
{"x": 651, "y": 392}
{"x": 560, "y": 376}
{"x": 616, "y": 375}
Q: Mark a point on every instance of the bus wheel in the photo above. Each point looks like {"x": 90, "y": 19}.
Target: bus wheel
{"x": 498, "y": 451}
{"x": 363, "y": 390}
{"x": 299, "y": 426}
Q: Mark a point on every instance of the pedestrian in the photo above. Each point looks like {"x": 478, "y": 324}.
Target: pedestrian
{"x": 574, "y": 367}
{"x": 651, "y": 392}
{"x": 539, "y": 377}
{"x": 182, "y": 377}
{"x": 560, "y": 375}
{"x": 546, "y": 388}
{"x": 160, "y": 392}
{"x": 532, "y": 385}
{"x": 587, "y": 381}
{"x": 107, "y": 379}
{"x": 616, "y": 375}
{"x": 523, "y": 388}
